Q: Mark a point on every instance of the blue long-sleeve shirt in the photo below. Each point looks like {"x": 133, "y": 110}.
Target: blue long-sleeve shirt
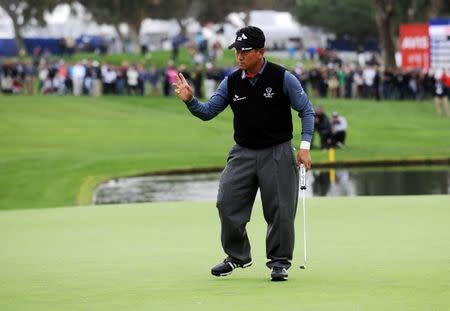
{"x": 291, "y": 87}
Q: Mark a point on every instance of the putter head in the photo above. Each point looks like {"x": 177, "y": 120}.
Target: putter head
{"x": 303, "y": 267}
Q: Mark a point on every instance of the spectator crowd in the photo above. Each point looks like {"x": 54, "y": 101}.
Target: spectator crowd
{"x": 369, "y": 81}
{"x": 335, "y": 80}
{"x": 89, "y": 77}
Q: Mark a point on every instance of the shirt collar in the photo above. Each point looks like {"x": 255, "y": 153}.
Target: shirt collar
{"x": 259, "y": 73}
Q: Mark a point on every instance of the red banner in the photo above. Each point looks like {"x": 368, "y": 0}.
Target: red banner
{"x": 415, "y": 46}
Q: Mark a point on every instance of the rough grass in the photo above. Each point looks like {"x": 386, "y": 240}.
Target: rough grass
{"x": 55, "y": 150}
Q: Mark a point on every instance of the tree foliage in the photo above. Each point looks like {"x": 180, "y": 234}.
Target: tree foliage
{"x": 133, "y": 12}
{"x": 343, "y": 17}
{"x": 217, "y": 10}
{"x": 22, "y": 12}
{"x": 355, "y": 18}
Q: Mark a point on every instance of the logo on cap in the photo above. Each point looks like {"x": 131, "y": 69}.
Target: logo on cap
{"x": 243, "y": 36}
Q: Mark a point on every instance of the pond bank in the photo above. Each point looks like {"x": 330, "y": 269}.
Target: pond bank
{"x": 337, "y": 164}
{"x": 356, "y": 181}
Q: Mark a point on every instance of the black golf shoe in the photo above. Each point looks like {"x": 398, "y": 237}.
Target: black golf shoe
{"x": 227, "y": 266}
{"x": 279, "y": 274}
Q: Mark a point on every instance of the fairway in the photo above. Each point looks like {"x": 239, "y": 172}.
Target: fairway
{"x": 56, "y": 150}
{"x": 366, "y": 253}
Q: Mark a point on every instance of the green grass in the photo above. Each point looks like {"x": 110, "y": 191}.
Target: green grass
{"x": 161, "y": 58}
{"x": 55, "y": 150}
{"x": 366, "y": 253}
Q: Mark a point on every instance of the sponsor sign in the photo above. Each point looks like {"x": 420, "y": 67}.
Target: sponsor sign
{"x": 415, "y": 46}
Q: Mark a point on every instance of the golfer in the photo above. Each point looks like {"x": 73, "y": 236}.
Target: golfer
{"x": 261, "y": 95}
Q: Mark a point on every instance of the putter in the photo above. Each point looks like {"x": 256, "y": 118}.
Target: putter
{"x": 303, "y": 189}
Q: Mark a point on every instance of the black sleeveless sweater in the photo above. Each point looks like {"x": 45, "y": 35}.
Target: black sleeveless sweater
{"x": 262, "y": 112}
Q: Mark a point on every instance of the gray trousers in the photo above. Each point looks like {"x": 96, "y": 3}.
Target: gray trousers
{"x": 273, "y": 170}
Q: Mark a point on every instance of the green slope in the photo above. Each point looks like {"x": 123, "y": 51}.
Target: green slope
{"x": 55, "y": 150}
{"x": 377, "y": 253}
{"x": 161, "y": 58}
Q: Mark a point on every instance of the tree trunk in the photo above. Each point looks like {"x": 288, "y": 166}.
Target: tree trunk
{"x": 247, "y": 18}
{"x": 17, "y": 31}
{"x": 134, "y": 35}
{"x": 121, "y": 39}
{"x": 183, "y": 30}
{"x": 436, "y": 6}
{"x": 20, "y": 43}
{"x": 384, "y": 14}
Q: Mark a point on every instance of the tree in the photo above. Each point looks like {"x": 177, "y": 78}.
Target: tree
{"x": 362, "y": 19}
{"x": 352, "y": 18}
{"x": 390, "y": 14}
{"x": 133, "y": 12}
{"x": 217, "y": 10}
{"x": 108, "y": 12}
{"x": 23, "y": 12}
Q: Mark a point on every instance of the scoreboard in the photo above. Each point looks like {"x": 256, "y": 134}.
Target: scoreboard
{"x": 426, "y": 46}
{"x": 440, "y": 43}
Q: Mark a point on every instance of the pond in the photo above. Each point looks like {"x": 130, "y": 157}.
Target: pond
{"x": 324, "y": 182}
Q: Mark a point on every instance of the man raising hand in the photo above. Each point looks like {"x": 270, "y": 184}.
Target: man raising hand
{"x": 261, "y": 95}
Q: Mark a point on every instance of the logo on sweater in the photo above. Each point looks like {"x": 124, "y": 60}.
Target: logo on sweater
{"x": 237, "y": 98}
{"x": 268, "y": 93}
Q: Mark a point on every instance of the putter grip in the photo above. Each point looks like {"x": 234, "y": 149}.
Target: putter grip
{"x": 302, "y": 177}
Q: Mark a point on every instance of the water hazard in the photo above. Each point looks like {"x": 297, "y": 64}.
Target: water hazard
{"x": 326, "y": 182}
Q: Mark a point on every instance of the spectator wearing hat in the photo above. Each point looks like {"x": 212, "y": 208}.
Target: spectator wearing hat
{"x": 322, "y": 125}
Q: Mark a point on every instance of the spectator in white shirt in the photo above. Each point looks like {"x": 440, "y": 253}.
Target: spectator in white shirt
{"x": 338, "y": 129}
{"x": 109, "y": 77}
{"x": 132, "y": 80}
{"x": 369, "y": 74}
{"x": 78, "y": 75}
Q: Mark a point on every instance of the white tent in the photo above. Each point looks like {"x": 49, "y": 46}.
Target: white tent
{"x": 279, "y": 28}
{"x": 6, "y": 26}
{"x": 156, "y": 33}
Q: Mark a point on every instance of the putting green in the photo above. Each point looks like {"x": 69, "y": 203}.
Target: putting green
{"x": 366, "y": 253}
